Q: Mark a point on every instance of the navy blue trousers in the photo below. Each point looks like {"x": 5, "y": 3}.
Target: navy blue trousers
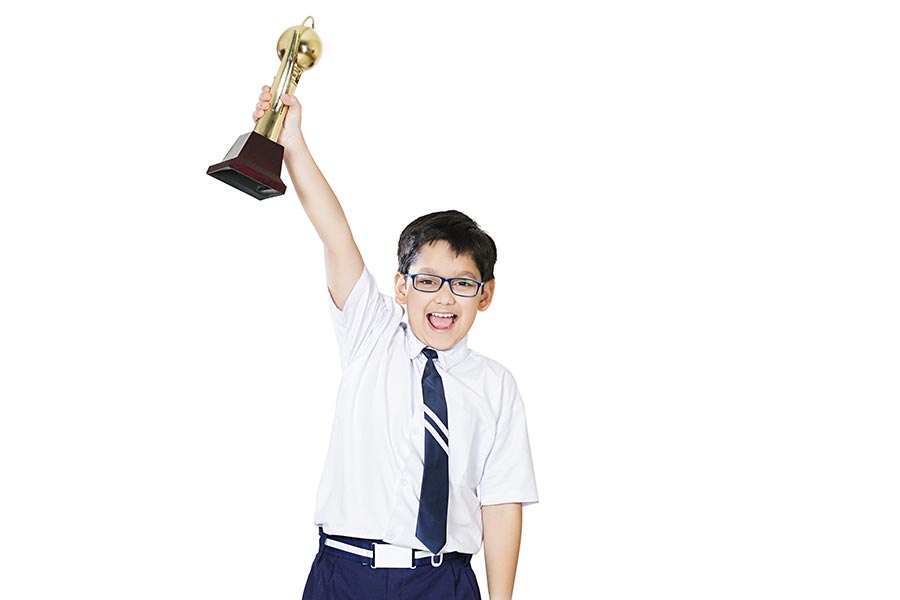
{"x": 335, "y": 577}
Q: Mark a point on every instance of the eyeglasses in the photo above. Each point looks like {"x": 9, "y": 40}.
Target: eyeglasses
{"x": 460, "y": 286}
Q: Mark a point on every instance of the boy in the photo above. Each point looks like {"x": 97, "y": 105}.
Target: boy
{"x": 429, "y": 449}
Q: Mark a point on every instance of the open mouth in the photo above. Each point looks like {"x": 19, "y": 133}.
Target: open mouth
{"x": 441, "y": 321}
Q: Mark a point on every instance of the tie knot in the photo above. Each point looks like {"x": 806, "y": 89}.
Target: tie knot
{"x": 430, "y": 353}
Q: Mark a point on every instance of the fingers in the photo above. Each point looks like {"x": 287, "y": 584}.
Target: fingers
{"x": 263, "y": 105}
{"x": 261, "y": 108}
{"x": 265, "y": 102}
{"x": 264, "y": 98}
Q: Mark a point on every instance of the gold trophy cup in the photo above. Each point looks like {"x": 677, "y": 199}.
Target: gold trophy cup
{"x": 253, "y": 165}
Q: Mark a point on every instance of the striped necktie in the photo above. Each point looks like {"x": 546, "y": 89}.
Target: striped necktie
{"x": 431, "y": 526}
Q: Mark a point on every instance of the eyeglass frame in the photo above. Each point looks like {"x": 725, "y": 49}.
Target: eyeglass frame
{"x": 448, "y": 280}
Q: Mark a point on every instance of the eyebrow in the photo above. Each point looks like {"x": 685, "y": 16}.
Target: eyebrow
{"x": 431, "y": 271}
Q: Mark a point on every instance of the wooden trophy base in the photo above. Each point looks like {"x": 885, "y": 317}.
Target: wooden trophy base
{"x": 253, "y": 165}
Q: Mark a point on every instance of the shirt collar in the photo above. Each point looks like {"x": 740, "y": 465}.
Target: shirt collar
{"x": 449, "y": 358}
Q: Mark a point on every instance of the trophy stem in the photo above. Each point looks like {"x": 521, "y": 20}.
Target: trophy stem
{"x": 285, "y": 82}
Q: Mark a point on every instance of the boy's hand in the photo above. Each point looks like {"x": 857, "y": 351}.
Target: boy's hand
{"x": 290, "y": 135}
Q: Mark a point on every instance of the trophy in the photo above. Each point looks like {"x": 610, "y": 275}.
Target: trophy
{"x": 253, "y": 165}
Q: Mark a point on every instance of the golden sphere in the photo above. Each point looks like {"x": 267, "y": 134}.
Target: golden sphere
{"x": 309, "y": 46}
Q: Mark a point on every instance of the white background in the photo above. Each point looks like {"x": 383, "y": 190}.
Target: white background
{"x": 696, "y": 209}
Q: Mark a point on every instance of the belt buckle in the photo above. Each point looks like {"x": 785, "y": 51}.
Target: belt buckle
{"x": 387, "y": 555}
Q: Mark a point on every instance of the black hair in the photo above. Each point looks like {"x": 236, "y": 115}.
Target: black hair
{"x": 462, "y": 233}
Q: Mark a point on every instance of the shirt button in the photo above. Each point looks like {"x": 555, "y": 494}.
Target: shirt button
{"x": 403, "y": 482}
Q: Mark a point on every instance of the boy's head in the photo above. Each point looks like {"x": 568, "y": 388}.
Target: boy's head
{"x": 444, "y": 244}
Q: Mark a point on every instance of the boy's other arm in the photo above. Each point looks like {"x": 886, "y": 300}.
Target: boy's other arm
{"x": 502, "y": 525}
{"x": 343, "y": 261}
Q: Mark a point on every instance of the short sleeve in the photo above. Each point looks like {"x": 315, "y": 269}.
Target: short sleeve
{"x": 509, "y": 472}
{"x": 366, "y": 318}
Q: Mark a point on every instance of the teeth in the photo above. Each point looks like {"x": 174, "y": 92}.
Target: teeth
{"x": 443, "y": 314}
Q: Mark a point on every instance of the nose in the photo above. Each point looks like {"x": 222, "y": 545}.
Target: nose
{"x": 444, "y": 295}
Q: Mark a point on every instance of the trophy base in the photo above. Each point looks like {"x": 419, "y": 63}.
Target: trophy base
{"x": 253, "y": 165}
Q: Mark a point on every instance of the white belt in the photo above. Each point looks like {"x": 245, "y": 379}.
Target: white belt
{"x": 387, "y": 555}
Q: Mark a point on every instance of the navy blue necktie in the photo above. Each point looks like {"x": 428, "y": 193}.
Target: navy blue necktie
{"x": 431, "y": 526}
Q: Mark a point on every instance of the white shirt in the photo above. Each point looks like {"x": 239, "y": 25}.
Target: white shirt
{"x": 373, "y": 470}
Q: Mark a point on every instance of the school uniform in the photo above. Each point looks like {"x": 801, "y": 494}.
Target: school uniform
{"x": 370, "y": 487}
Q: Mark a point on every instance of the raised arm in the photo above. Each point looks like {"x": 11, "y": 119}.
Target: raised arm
{"x": 343, "y": 261}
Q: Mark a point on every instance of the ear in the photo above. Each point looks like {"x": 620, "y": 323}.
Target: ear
{"x": 487, "y": 295}
{"x": 400, "y": 288}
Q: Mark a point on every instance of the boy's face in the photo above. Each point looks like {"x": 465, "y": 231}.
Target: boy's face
{"x": 439, "y": 332}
